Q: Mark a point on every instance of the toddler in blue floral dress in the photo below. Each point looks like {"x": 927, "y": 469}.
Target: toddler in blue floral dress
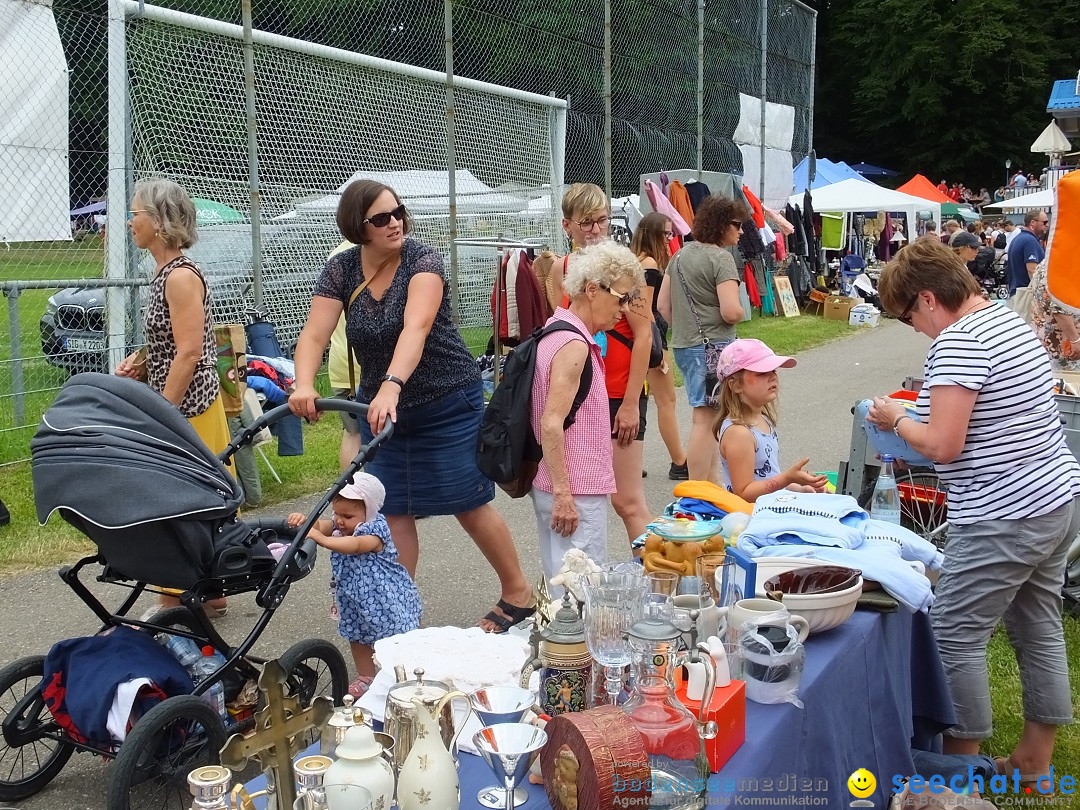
{"x": 374, "y": 596}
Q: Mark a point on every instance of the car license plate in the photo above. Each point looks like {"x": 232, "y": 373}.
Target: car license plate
{"x": 74, "y": 344}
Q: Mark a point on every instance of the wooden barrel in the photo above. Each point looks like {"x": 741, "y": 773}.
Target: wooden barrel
{"x": 595, "y": 760}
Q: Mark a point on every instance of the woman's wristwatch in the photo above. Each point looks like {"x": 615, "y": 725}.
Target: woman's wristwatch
{"x": 899, "y": 419}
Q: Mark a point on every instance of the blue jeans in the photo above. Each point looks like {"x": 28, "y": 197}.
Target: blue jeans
{"x": 691, "y": 363}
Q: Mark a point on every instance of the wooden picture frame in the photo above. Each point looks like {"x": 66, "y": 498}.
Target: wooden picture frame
{"x": 784, "y": 292}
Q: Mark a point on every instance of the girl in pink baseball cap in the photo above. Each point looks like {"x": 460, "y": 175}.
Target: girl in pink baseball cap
{"x": 745, "y": 424}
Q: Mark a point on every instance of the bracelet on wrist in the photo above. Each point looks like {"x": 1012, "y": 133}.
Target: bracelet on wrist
{"x": 899, "y": 419}
{"x": 396, "y": 380}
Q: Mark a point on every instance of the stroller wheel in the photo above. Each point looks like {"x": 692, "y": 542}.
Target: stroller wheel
{"x": 27, "y": 767}
{"x": 178, "y": 735}
{"x": 315, "y": 667}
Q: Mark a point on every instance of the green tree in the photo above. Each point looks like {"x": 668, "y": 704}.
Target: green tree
{"x": 943, "y": 87}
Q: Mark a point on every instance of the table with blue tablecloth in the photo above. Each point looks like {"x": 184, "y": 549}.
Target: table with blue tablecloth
{"x": 872, "y": 689}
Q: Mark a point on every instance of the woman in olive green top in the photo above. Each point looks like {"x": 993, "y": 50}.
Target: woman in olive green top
{"x": 700, "y": 299}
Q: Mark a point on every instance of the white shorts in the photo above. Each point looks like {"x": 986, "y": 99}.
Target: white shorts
{"x": 590, "y": 536}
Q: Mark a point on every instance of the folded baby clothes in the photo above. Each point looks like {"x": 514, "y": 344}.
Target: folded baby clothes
{"x": 833, "y": 528}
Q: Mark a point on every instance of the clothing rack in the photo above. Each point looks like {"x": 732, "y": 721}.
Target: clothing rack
{"x": 503, "y": 245}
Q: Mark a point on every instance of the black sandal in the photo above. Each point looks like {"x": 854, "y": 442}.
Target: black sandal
{"x": 513, "y": 615}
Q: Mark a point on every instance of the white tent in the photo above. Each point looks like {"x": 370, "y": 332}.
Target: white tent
{"x": 1038, "y": 199}
{"x": 34, "y": 196}
{"x": 426, "y": 192}
{"x": 850, "y": 196}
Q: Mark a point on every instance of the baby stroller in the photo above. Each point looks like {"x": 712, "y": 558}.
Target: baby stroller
{"x": 120, "y": 463}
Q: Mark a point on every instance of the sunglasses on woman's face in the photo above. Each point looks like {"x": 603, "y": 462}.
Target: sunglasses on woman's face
{"x": 382, "y": 219}
{"x": 905, "y": 316}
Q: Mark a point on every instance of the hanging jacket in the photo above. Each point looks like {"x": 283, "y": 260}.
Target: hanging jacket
{"x": 697, "y": 191}
{"x": 523, "y": 305}
{"x": 662, "y": 205}
{"x": 681, "y": 201}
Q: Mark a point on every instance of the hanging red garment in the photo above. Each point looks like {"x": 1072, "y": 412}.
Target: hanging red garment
{"x": 522, "y": 301}
{"x": 755, "y": 207}
{"x": 752, "y": 290}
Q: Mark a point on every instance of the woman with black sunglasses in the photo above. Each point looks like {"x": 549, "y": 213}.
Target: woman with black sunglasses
{"x": 988, "y": 420}
{"x": 416, "y": 371}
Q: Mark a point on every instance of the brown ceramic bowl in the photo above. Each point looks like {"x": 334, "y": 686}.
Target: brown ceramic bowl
{"x": 813, "y": 580}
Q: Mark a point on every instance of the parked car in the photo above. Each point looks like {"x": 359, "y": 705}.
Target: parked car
{"x": 73, "y": 324}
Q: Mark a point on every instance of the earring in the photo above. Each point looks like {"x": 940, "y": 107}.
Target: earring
{"x": 931, "y": 309}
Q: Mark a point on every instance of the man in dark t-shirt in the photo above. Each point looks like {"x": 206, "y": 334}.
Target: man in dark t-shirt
{"x": 1026, "y": 249}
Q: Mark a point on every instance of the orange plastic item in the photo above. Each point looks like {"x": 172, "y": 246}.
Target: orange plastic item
{"x": 714, "y": 494}
{"x": 1061, "y": 277}
{"x": 728, "y": 709}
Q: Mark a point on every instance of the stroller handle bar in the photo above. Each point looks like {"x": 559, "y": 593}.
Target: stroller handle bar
{"x": 274, "y": 415}
{"x": 275, "y": 590}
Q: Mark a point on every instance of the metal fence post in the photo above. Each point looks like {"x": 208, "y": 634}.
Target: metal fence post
{"x": 764, "y": 89}
{"x": 116, "y": 247}
{"x": 607, "y": 98}
{"x": 451, "y": 154}
{"x": 700, "y": 85}
{"x": 18, "y": 384}
{"x": 253, "y": 157}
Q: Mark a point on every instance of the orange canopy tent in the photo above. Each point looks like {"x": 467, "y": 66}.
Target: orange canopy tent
{"x": 919, "y": 186}
{"x": 1061, "y": 256}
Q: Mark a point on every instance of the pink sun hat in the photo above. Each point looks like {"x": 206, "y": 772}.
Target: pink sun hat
{"x": 748, "y": 354}
{"x": 369, "y": 489}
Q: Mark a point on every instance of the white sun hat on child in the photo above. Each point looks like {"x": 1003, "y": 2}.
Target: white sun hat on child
{"x": 369, "y": 489}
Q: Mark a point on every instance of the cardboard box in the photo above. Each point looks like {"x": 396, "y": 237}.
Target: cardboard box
{"x": 838, "y": 307}
{"x": 864, "y": 315}
{"x": 728, "y": 709}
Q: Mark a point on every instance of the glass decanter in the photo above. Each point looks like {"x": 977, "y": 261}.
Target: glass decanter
{"x": 674, "y": 738}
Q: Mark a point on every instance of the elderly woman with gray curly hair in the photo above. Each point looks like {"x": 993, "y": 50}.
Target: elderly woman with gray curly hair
{"x": 575, "y": 478}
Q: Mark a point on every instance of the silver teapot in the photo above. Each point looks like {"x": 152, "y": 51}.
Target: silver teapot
{"x": 400, "y": 716}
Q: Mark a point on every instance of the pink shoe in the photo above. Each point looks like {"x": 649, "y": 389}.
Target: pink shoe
{"x": 359, "y": 687}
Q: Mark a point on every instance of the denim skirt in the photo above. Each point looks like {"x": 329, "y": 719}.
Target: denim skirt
{"x": 428, "y": 465}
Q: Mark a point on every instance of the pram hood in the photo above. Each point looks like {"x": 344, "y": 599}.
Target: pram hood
{"x": 118, "y": 454}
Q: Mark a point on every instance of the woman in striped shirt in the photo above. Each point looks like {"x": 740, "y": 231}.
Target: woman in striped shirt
{"x": 988, "y": 420}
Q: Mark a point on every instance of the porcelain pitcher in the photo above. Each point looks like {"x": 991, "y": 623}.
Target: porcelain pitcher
{"x": 428, "y": 779}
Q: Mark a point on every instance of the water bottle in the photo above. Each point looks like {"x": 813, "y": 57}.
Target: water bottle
{"x": 207, "y": 665}
{"x": 183, "y": 649}
{"x": 886, "y": 502}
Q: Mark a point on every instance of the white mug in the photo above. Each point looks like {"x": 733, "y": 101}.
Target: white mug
{"x": 757, "y": 609}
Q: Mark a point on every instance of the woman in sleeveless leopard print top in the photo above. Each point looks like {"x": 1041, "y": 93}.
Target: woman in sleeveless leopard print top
{"x": 181, "y": 355}
{"x": 161, "y": 345}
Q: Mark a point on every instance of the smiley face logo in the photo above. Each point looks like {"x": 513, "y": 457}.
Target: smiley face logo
{"x": 861, "y": 783}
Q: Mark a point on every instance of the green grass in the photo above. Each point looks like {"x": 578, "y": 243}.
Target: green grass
{"x": 1008, "y": 710}
{"x": 23, "y": 262}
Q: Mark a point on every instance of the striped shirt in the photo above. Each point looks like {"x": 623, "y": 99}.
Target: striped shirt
{"x": 1015, "y": 463}
{"x": 587, "y": 442}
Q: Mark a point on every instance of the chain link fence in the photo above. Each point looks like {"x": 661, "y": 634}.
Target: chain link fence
{"x": 329, "y": 105}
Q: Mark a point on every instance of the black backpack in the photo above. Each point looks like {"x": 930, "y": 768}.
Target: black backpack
{"x": 1000, "y": 243}
{"x": 506, "y": 450}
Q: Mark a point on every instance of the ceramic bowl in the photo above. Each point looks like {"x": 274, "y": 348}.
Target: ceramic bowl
{"x": 824, "y": 611}
{"x": 815, "y": 579}
{"x": 768, "y": 567}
